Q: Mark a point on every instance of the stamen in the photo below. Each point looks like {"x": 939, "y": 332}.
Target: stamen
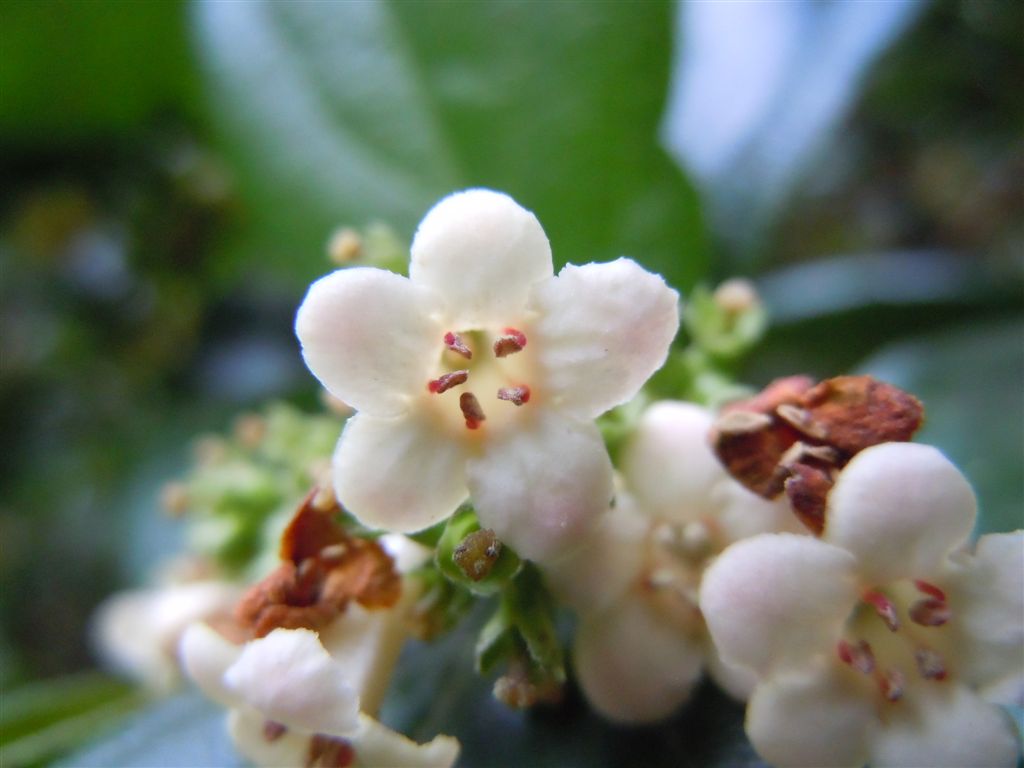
{"x": 884, "y": 608}
{"x": 858, "y": 656}
{"x": 455, "y": 343}
{"x": 328, "y": 752}
{"x": 515, "y": 395}
{"x": 930, "y": 589}
{"x": 509, "y": 342}
{"x": 272, "y": 731}
{"x": 446, "y": 381}
{"x": 471, "y": 410}
{"x": 930, "y": 612}
{"x": 929, "y": 664}
{"x": 892, "y": 684}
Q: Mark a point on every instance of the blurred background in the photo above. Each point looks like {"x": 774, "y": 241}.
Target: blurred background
{"x": 173, "y": 171}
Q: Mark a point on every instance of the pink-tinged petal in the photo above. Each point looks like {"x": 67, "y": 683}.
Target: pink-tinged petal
{"x": 900, "y": 508}
{"x": 480, "y": 252}
{"x": 668, "y": 464}
{"x": 945, "y": 727}
{"x": 777, "y": 600}
{"x": 601, "y": 331}
{"x": 273, "y": 749}
{"x": 590, "y": 577}
{"x": 377, "y": 745}
{"x": 368, "y": 336}
{"x": 541, "y": 488}
{"x": 986, "y": 595}
{"x": 818, "y": 719}
{"x": 632, "y": 665}
{"x": 399, "y": 475}
{"x": 289, "y": 678}
{"x": 205, "y": 656}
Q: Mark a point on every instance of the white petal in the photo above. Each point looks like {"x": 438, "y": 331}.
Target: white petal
{"x": 633, "y": 666}
{"x": 738, "y": 682}
{"x": 480, "y": 252}
{"x": 601, "y": 331}
{"x": 377, "y": 745}
{"x": 813, "y": 720}
{"x": 948, "y": 726}
{"x": 367, "y": 335}
{"x": 205, "y": 656}
{"x": 988, "y": 604}
{"x": 589, "y": 578}
{"x": 290, "y": 748}
{"x": 289, "y": 678}
{"x": 668, "y": 464}
{"x": 742, "y": 514}
{"x": 407, "y": 554}
{"x": 401, "y": 474}
{"x": 541, "y": 488}
{"x": 900, "y": 508}
{"x": 777, "y": 599}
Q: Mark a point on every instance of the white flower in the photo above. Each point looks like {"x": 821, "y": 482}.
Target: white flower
{"x": 878, "y": 642}
{"x": 641, "y": 645}
{"x": 299, "y": 699}
{"x": 481, "y": 373}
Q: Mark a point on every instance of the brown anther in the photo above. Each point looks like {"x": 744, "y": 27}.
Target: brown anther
{"x": 455, "y": 343}
{"x": 891, "y": 685}
{"x": 884, "y": 607}
{"x": 930, "y": 665}
{"x": 510, "y": 342}
{"x": 329, "y": 752}
{"x": 477, "y": 554}
{"x": 471, "y": 410}
{"x": 446, "y": 381}
{"x": 272, "y": 731}
{"x": 930, "y": 612}
{"x": 930, "y": 589}
{"x": 515, "y": 395}
{"x": 858, "y": 656}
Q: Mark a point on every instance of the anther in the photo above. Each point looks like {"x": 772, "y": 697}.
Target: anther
{"x": 515, "y": 395}
{"x": 858, "y": 656}
{"x": 455, "y": 343}
{"x": 930, "y": 612}
{"x": 929, "y": 664}
{"x": 892, "y": 685}
{"x": 509, "y": 342}
{"x": 471, "y": 410}
{"x": 930, "y": 589}
{"x": 884, "y": 608}
{"x": 272, "y": 731}
{"x": 446, "y": 381}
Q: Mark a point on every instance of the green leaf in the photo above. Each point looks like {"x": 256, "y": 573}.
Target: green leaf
{"x": 339, "y": 113}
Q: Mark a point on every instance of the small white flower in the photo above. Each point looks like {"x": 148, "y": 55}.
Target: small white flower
{"x": 879, "y": 642}
{"x": 481, "y": 373}
{"x": 641, "y": 645}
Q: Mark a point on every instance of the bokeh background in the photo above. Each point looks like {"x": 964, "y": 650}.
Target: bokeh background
{"x": 172, "y": 172}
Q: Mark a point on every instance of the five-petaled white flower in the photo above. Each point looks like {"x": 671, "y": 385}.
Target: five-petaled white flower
{"x": 641, "y": 645}
{"x": 886, "y": 640}
{"x": 481, "y": 374}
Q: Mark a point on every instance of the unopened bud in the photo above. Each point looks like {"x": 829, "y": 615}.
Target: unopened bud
{"x": 345, "y": 246}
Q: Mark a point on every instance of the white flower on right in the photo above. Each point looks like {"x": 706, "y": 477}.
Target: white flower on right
{"x": 481, "y": 373}
{"x": 886, "y": 641}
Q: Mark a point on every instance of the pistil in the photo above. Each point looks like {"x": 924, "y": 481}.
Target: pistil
{"x": 471, "y": 410}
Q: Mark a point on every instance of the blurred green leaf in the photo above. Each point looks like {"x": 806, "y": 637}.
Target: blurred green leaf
{"x": 345, "y": 112}
{"x": 970, "y": 383}
{"x": 72, "y": 69}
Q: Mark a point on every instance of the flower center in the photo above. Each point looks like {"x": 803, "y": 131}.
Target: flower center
{"x": 895, "y": 637}
{"x": 484, "y": 367}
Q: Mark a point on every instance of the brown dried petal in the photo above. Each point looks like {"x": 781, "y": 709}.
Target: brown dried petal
{"x": 750, "y": 445}
{"x": 310, "y": 531}
{"x": 778, "y": 392}
{"x": 807, "y": 488}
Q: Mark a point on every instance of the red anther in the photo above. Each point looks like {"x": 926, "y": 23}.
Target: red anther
{"x": 455, "y": 343}
{"x": 510, "y": 342}
{"x": 446, "y": 381}
{"x": 272, "y": 731}
{"x": 515, "y": 395}
{"x": 930, "y": 589}
{"x": 884, "y": 608}
{"x": 858, "y": 656}
{"x": 471, "y": 410}
{"x": 930, "y": 665}
{"x": 930, "y": 612}
{"x": 892, "y": 684}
